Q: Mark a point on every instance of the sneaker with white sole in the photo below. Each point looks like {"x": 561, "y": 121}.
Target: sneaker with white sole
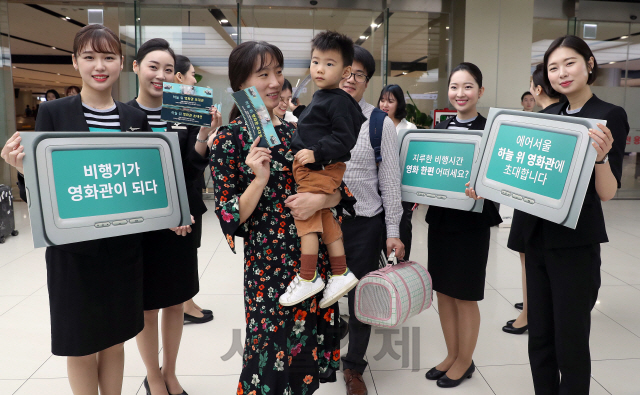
{"x": 300, "y": 290}
{"x": 337, "y": 287}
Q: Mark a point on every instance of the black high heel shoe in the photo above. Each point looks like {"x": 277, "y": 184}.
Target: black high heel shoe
{"x": 146, "y": 386}
{"x": 434, "y": 374}
{"x": 446, "y": 382}
{"x": 206, "y": 312}
{"x": 510, "y": 322}
{"x": 515, "y": 331}
{"x": 519, "y": 306}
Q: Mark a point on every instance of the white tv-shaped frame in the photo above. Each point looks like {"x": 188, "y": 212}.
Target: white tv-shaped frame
{"x": 435, "y": 197}
{"x": 566, "y": 209}
{"x": 49, "y": 229}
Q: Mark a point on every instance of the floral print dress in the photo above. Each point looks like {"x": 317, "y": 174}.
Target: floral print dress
{"x": 288, "y": 350}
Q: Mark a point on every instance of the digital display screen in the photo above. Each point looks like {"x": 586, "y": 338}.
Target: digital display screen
{"x": 444, "y": 166}
{"x": 534, "y": 160}
{"x": 94, "y": 182}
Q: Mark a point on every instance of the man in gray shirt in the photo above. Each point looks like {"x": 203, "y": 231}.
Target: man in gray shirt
{"x": 378, "y": 207}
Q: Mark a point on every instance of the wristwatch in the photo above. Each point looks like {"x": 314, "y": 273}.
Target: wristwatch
{"x": 603, "y": 161}
{"x": 201, "y": 141}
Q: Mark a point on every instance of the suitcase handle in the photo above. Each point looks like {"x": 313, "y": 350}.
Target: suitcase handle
{"x": 392, "y": 260}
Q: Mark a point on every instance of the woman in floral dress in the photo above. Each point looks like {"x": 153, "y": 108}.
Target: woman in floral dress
{"x": 288, "y": 350}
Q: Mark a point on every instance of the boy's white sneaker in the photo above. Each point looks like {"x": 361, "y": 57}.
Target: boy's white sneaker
{"x": 300, "y": 290}
{"x": 337, "y": 287}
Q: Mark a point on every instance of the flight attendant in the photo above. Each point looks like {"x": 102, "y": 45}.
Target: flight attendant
{"x": 95, "y": 287}
{"x": 459, "y": 246}
{"x": 545, "y": 97}
{"x": 170, "y": 257}
{"x": 563, "y": 264}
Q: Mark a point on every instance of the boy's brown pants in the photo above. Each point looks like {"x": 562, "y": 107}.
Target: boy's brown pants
{"x": 325, "y": 181}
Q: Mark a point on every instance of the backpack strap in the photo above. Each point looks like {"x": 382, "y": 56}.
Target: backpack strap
{"x": 376, "y": 123}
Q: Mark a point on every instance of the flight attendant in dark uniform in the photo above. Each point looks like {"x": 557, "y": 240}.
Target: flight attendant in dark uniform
{"x": 459, "y": 247}
{"x": 545, "y": 97}
{"x": 95, "y": 287}
{"x": 170, "y": 260}
{"x": 563, "y": 264}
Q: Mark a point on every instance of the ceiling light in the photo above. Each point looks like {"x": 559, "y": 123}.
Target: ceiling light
{"x": 53, "y": 48}
{"x": 58, "y": 73}
{"x": 447, "y": 27}
{"x": 624, "y": 37}
{"x": 363, "y": 37}
{"x": 374, "y": 25}
{"x": 138, "y": 19}
{"x": 611, "y": 62}
{"x": 234, "y": 34}
{"x": 67, "y": 18}
{"x": 224, "y": 21}
{"x": 404, "y": 73}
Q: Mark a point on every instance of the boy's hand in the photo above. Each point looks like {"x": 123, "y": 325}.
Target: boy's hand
{"x": 305, "y": 156}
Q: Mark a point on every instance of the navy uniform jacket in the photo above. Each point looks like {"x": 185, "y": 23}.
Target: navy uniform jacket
{"x": 590, "y": 228}
{"x": 193, "y": 163}
{"x": 452, "y": 220}
{"x": 67, "y": 115}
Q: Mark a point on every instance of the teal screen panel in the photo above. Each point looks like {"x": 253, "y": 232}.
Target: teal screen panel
{"x": 534, "y": 160}
{"x": 443, "y": 166}
{"x": 108, "y": 181}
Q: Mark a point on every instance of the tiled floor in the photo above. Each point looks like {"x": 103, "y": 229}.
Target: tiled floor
{"x": 28, "y": 368}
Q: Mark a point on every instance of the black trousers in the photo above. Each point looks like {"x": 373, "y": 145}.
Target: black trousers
{"x": 406, "y": 228}
{"x": 562, "y": 288}
{"x": 363, "y": 239}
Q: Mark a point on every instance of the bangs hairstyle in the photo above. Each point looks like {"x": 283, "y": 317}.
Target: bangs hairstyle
{"x": 242, "y": 64}
{"x": 97, "y": 38}
{"x": 469, "y": 68}
{"x": 287, "y": 86}
{"x": 539, "y": 81}
{"x": 397, "y": 93}
{"x": 155, "y": 44}
{"x": 183, "y": 64}
{"x": 329, "y": 40}
{"x": 578, "y": 45}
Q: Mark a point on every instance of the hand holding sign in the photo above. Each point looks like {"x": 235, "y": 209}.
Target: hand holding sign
{"x": 471, "y": 192}
{"x": 13, "y": 152}
{"x": 259, "y": 160}
{"x": 603, "y": 140}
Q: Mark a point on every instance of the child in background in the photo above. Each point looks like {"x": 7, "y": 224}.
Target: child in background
{"x": 327, "y": 132}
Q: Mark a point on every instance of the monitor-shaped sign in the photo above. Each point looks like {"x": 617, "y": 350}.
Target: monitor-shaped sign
{"x": 538, "y": 163}
{"x": 86, "y": 186}
{"x": 437, "y": 163}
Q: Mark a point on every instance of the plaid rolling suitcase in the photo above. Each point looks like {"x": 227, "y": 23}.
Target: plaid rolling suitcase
{"x": 389, "y": 296}
{"x": 7, "y": 221}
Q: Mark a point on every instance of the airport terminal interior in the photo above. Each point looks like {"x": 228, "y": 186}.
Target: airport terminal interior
{"x": 415, "y": 44}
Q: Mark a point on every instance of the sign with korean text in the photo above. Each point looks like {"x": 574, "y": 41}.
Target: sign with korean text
{"x": 186, "y": 104}
{"x": 436, "y": 165}
{"x": 537, "y": 163}
{"x": 108, "y": 181}
{"x": 633, "y": 141}
{"x": 256, "y": 116}
{"x": 531, "y": 159}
